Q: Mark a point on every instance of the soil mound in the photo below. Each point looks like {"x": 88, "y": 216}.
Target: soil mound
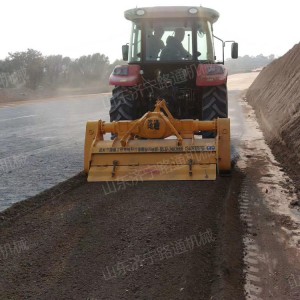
{"x": 275, "y": 96}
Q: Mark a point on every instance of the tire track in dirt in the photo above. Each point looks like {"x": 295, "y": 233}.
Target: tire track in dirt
{"x": 253, "y": 287}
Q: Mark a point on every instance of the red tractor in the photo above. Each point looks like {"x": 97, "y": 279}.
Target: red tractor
{"x": 171, "y": 56}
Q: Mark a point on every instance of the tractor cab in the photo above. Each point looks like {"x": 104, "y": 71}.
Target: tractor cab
{"x": 166, "y": 34}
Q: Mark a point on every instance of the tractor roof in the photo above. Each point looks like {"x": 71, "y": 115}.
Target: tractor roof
{"x": 165, "y": 12}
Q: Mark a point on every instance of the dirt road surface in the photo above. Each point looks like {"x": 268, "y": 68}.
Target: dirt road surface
{"x": 234, "y": 238}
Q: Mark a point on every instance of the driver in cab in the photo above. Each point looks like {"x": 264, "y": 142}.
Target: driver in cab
{"x": 174, "y": 49}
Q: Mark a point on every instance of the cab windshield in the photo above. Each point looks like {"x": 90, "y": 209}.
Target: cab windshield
{"x": 172, "y": 40}
{"x": 169, "y": 40}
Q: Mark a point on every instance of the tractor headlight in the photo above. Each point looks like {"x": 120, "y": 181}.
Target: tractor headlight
{"x": 121, "y": 71}
{"x": 193, "y": 10}
{"x": 215, "y": 70}
{"x": 140, "y": 12}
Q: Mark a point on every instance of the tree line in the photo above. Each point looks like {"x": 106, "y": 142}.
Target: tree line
{"x": 33, "y": 69}
{"x": 248, "y": 63}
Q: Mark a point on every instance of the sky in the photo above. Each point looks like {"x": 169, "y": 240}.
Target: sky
{"x": 81, "y": 27}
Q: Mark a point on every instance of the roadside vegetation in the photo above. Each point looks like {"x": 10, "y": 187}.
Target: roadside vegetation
{"x": 245, "y": 64}
{"x": 33, "y": 70}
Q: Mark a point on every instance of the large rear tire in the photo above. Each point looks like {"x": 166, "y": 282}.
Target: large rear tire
{"x": 214, "y": 105}
{"x": 214, "y": 102}
{"x": 122, "y": 104}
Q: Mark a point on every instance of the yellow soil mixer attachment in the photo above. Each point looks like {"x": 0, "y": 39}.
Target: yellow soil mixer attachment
{"x": 156, "y": 147}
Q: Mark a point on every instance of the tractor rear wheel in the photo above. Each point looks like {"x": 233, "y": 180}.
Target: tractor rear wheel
{"x": 122, "y": 104}
{"x": 214, "y": 105}
{"x": 214, "y": 102}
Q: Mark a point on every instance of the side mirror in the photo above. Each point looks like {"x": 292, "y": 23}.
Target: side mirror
{"x": 234, "y": 50}
{"x": 125, "y": 51}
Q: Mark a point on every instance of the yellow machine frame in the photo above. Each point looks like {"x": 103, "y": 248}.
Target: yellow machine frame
{"x": 156, "y": 147}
